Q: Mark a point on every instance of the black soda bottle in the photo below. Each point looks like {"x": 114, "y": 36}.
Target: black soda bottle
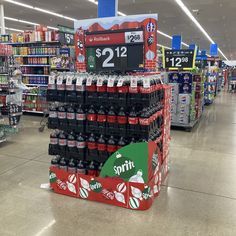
{"x": 72, "y": 166}
{"x": 81, "y": 146}
{"x": 62, "y": 117}
{"x": 121, "y": 143}
{"x": 55, "y": 162}
{"x": 63, "y": 164}
{"x": 92, "y": 146}
{"x": 71, "y": 118}
{"x": 102, "y": 147}
{"x": 101, "y": 116}
{"x": 111, "y": 116}
{"x": 62, "y": 141}
{"x": 81, "y": 168}
{"x": 71, "y": 144}
{"x": 91, "y": 169}
{"x": 92, "y": 115}
{"x": 111, "y": 146}
{"x": 53, "y": 145}
{"x": 133, "y": 119}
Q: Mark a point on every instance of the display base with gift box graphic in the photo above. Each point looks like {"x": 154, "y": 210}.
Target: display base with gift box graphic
{"x": 131, "y": 178}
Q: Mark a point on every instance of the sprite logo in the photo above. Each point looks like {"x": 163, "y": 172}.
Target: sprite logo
{"x": 95, "y": 186}
{"x": 123, "y": 167}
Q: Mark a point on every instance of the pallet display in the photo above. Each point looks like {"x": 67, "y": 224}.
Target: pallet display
{"x": 112, "y": 130}
{"x": 183, "y": 104}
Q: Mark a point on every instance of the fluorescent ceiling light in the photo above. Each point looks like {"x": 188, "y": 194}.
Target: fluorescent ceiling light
{"x": 189, "y": 14}
{"x": 40, "y": 10}
{"x": 164, "y": 34}
{"x": 13, "y": 29}
{"x": 27, "y": 22}
{"x": 19, "y": 3}
{"x": 93, "y": 1}
{"x": 121, "y": 13}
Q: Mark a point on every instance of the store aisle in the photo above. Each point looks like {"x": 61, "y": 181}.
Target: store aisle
{"x": 199, "y": 197}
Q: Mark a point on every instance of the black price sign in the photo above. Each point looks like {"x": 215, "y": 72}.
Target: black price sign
{"x": 179, "y": 59}
{"x": 66, "y": 38}
{"x": 119, "y": 50}
{"x": 120, "y": 58}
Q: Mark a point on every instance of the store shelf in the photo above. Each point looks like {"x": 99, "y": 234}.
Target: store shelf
{"x": 66, "y": 69}
{"x": 36, "y": 112}
{"x": 47, "y": 55}
{"x": 3, "y": 73}
{"x": 36, "y": 75}
{"x": 38, "y": 65}
{"x": 37, "y": 85}
{"x": 34, "y": 43}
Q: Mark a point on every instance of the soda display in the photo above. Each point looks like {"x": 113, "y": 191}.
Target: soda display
{"x": 108, "y": 114}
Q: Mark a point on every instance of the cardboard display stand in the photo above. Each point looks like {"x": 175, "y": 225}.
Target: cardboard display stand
{"x": 133, "y": 180}
{"x": 131, "y": 177}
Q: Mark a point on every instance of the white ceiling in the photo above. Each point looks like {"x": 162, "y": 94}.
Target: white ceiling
{"x": 216, "y": 16}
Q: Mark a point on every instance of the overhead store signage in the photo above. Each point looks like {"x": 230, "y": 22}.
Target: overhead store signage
{"x": 120, "y": 44}
{"x": 66, "y": 35}
{"x": 179, "y": 59}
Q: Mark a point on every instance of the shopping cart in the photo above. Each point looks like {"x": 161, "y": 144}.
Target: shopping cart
{"x": 232, "y": 84}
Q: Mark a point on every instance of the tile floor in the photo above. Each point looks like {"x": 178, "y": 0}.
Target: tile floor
{"x": 198, "y": 198}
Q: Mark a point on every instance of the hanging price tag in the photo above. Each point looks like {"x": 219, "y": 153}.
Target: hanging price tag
{"x": 79, "y": 81}
{"x": 111, "y": 82}
{"x": 51, "y": 80}
{"x": 134, "y": 83}
{"x": 59, "y": 80}
{"x": 69, "y": 80}
{"x": 120, "y": 82}
{"x": 89, "y": 81}
{"x": 146, "y": 83}
{"x": 100, "y": 81}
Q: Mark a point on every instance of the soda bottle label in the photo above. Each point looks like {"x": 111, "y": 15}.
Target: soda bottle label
{"x": 54, "y": 141}
{"x": 51, "y": 80}
{"x": 71, "y": 143}
{"x": 80, "y": 117}
{"x": 111, "y": 119}
{"x": 92, "y": 117}
{"x": 92, "y": 145}
{"x": 122, "y": 119}
{"x": 80, "y": 88}
{"x": 81, "y": 145}
{"x": 133, "y": 120}
{"x": 62, "y": 142}
{"x": 70, "y": 116}
{"x": 102, "y": 118}
{"x": 71, "y": 169}
{"x": 111, "y": 148}
{"x": 81, "y": 171}
{"x": 53, "y": 114}
{"x": 102, "y": 147}
{"x": 144, "y": 121}
{"x": 62, "y": 115}
{"x": 120, "y": 82}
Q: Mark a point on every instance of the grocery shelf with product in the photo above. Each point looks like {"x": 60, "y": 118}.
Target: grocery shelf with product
{"x": 111, "y": 129}
{"x": 187, "y": 98}
{"x": 36, "y": 53}
{"x": 10, "y": 95}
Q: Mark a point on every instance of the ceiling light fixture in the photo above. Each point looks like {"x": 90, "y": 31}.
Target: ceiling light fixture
{"x": 189, "y": 14}
{"x": 40, "y": 10}
{"x": 13, "y": 29}
{"x": 27, "y": 22}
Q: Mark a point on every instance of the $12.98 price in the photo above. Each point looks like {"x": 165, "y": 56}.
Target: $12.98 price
{"x": 108, "y": 55}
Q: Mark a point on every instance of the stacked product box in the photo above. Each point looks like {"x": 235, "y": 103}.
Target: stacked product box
{"x": 199, "y": 94}
{"x": 183, "y": 98}
{"x": 98, "y": 120}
